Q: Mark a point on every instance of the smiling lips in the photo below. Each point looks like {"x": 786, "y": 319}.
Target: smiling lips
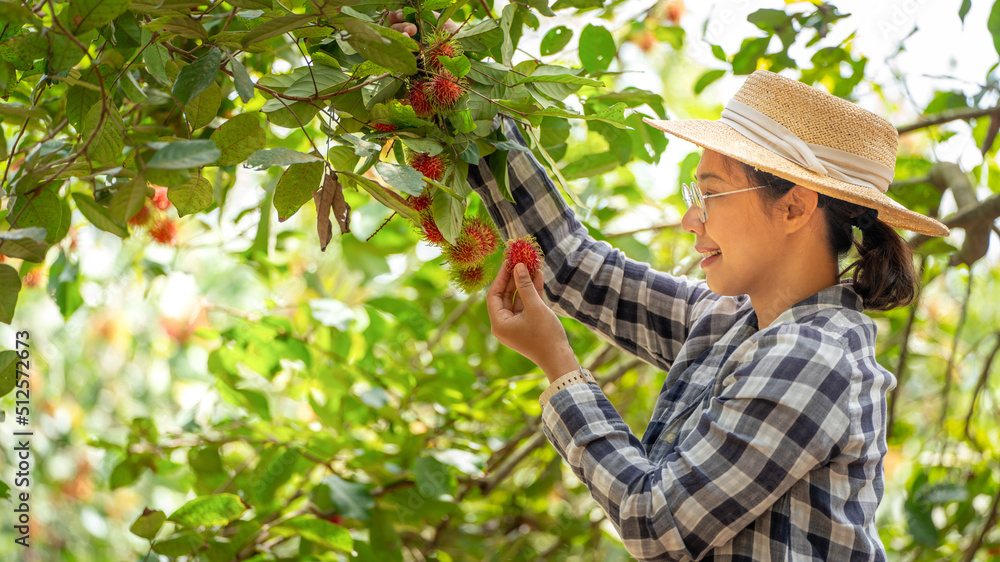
{"x": 708, "y": 252}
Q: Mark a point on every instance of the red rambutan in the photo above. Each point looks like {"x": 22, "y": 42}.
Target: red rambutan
{"x": 430, "y": 166}
{"x": 160, "y": 198}
{"x": 523, "y": 250}
{"x": 432, "y": 233}
{"x": 142, "y": 218}
{"x": 419, "y": 100}
{"x": 486, "y": 237}
{"x": 164, "y": 232}
{"x": 385, "y": 128}
{"x": 421, "y": 202}
{"x": 445, "y": 90}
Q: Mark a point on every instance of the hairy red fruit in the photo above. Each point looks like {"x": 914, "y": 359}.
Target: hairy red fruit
{"x": 432, "y": 233}
{"x": 448, "y": 49}
{"x": 336, "y": 519}
{"x": 421, "y": 202}
{"x": 445, "y": 90}
{"x": 419, "y": 100}
{"x": 164, "y": 232}
{"x": 486, "y": 237}
{"x": 471, "y": 279}
{"x": 523, "y": 250}
{"x": 385, "y": 128}
{"x": 160, "y": 200}
{"x": 430, "y": 166}
{"x": 142, "y": 218}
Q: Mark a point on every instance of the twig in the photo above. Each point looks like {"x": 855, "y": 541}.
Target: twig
{"x": 940, "y": 118}
{"x": 980, "y": 385}
{"x": 951, "y": 357}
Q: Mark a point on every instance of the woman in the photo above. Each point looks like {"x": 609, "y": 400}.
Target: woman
{"x": 767, "y": 439}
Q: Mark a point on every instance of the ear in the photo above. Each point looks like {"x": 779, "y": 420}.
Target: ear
{"x": 798, "y": 208}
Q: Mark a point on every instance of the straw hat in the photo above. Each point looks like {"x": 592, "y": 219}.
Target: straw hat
{"x": 808, "y": 136}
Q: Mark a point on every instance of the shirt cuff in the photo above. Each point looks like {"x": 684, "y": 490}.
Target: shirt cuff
{"x": 579, "y": 376}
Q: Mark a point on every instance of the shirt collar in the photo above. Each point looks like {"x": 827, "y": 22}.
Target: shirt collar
{"x": 841, "y": 295}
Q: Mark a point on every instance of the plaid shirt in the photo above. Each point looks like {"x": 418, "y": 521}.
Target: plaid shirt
{"x": 763, "y": 444}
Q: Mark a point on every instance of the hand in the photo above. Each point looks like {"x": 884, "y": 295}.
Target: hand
{"x": 524, "y": 323}
{"x": 406, "y": 28}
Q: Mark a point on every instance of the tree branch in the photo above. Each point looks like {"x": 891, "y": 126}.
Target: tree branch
{"x": 946, "y": 117}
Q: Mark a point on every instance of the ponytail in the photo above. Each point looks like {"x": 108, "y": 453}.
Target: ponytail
{"x": 883, "y": 275}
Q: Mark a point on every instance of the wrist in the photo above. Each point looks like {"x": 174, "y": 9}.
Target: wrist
{"x": 558, "y": 367}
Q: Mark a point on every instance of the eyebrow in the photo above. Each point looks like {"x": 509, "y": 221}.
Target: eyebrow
{"x": 709, "y": 176}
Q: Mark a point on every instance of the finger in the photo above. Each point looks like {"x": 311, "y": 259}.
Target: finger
{"x": 406, "y": 28}
{"x": 495, "y": 295}
{"x": 527, "y": 289}
{"x": 395, "y": 16}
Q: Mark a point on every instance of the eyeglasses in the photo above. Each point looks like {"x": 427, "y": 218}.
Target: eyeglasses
{"x": 694, "y": 198}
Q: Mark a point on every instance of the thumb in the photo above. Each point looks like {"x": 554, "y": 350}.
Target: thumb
{"x": 526, "y": 288}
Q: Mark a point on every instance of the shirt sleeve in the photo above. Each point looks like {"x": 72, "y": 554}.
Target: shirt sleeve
{"x": 639, "y": 309}
{"x": 783, "y": 412}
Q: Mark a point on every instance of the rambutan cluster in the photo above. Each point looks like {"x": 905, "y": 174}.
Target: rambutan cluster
{"x": 152, "y": 216}
{"x": 467, "y": 257}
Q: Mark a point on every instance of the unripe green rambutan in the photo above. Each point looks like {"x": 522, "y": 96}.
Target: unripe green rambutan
{"x": 470, "y": 279}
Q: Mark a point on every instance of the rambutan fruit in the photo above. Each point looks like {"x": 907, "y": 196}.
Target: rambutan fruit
{"x": 476, "y": 242}
{"x": 470, "y": 279}
{"x": 486, "y": 237}
{"x": 384, "y": 127}
{"x": 160, "y": 200}
{"x": 142, "y": 218}
{"x": 445, "y": 90}
{"x": 419, "y": 100}
{"x": 432, "y": 234}
{"x": 431, "y": 167}
{"x": 523, "y": 250}
{"x": 420, "y": 202}
{"x": 441, "y": 46}
{"x": 164, "y": 232}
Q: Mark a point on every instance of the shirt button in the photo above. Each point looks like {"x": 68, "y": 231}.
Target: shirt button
{"x": 671, "y": 437}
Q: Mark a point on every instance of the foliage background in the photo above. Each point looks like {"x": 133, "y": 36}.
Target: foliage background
{"x": 354, "y": 400}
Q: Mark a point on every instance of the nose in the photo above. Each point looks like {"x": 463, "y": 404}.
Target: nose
{"x": 691, "y": 221}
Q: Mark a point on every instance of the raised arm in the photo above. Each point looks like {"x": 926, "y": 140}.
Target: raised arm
{"x": 641, "y": 310}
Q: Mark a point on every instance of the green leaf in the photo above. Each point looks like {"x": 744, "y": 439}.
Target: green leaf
{"x": 64, "y": 287}
{"x": 350, "y": 498}
{"x": 196, "y": 77}
{"x": 560, "y": 79}
{"x": 993, "y": 25}
{"x": 8, "y": 370}
{"x": 41, "y": 209}
{"x": 555, "y": 40}
{"x": 132, "y": 89}
{"x": 156, "y": 56}
{"x": 964, "y": 10}
{"x": 193, "y": 196}
{"x": 83, "y": 15}
{"x": 448, "y": 214}
{"x": 275, "y": 27}
{"x": 433, "y": 477}
{"x": 180, "y": 544}
{"x": 279, "y": 156}
{"x": 480, "y": 37}
{"x": 381, "y": 45}
{"x": 462, "y": 121}
{"x": 745, "y": 61}
{"x": 218, "y": 509}
{"x": 10, "y": 286}
{"x": 362, "y": 147}
{"x": 507, "y": 45}
{"x": 24, "y": 243}
{"x": 432, "y": 148}
{"x": 597, "y": 48}
{"x": 403, "y": 178}
{"x": 296, "y": 187}
{"x": 148, "y": 524}
{"x": 181, "y": 155}
{"x": 498, "y": 167}
{"x": 238, "y": 138}
{"x": 128, "y": 200}
{"x": 319, "y": 531}
{"x": 109, "y": 134}
{"x": 708, "y": 78}
{"x": 241, "y": 79}
{"x": 202, "y": 110}
{"x": 98, "y": 215}
{"x": 459, "y": 66}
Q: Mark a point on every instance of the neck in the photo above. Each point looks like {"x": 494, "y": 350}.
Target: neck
{"x": 803, "y": 277}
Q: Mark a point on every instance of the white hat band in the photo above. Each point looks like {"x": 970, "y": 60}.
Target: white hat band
{"x": 822, "y": 160}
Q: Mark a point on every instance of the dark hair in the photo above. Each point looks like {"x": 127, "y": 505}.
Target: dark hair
{"x": 883, "y": 274}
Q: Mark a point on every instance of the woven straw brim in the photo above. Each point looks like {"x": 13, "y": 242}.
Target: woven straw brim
{"x": 725, "y": 140}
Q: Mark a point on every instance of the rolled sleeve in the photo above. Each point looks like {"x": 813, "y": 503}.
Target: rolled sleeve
{"x": 780, "y": 414}
{"x": 638, "y": 309}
